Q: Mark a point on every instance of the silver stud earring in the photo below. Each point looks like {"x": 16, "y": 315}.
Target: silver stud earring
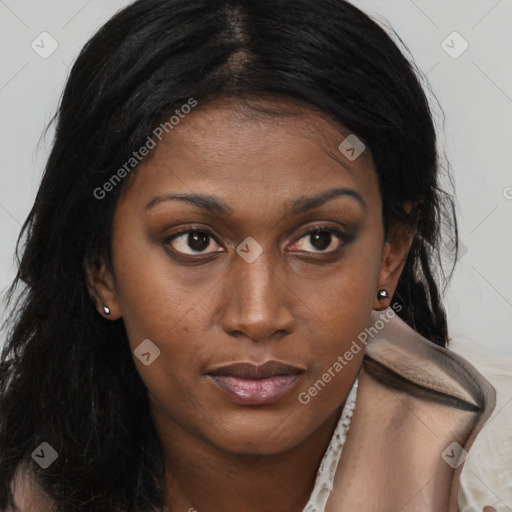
{"x": 106, "y": 310}
{"x": 382, "y": 294}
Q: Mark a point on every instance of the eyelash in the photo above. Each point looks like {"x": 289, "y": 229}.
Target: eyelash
{"x": 342, "y": 236}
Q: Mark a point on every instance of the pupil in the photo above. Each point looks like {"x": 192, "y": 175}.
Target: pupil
{"x": 320, "y": 241}
{"x": 198, "y": 240}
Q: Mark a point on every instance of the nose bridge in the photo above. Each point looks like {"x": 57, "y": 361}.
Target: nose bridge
{"x": 256, "y": 305}
{"x": 255, "y": 284}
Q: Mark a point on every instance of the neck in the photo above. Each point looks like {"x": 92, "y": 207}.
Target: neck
{"x": 200, "y": 477}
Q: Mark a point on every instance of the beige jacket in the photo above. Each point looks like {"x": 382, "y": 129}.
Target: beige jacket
{"x": 419, "y": 409}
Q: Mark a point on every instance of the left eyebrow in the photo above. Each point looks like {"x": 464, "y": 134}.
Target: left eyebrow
{"x": 304, "y": 204}
{"x": 298, "y": 206}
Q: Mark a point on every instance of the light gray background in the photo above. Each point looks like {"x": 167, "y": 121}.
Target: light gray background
{"x": 474, "y": 89}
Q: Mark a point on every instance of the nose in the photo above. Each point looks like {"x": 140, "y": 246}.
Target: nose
{"x": 258, "y": 301}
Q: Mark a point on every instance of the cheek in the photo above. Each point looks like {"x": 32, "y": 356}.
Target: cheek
{"x": 337, "y": 353}
{"x": 149, "y": 293}
{"x": 173, "y": 376}
{"x": 342, "y": 299}
{"x": 337, "y": 311}
{"x": 157, "y": 307}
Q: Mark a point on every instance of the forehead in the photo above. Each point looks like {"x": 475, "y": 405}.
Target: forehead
{"x": 262, "y": 126}
{"x": 260, "y": 150}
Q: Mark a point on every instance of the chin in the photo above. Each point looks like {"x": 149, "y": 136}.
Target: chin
{"x": 258, "y": 438}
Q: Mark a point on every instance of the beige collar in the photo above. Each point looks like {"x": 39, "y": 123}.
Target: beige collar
{"x": 419, "y": 409}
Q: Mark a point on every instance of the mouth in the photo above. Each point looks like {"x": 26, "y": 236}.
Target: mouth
{"x": 252, "y": 384}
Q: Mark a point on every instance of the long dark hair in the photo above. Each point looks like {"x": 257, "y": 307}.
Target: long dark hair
{"x": 67, "y": 374}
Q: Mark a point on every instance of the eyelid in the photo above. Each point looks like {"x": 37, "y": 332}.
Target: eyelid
{"x": 191, "y": 229}
{"x": 343, "y": 236}
{"x": 322, "y": 227}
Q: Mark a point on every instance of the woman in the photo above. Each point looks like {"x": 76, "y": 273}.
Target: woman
{"x": 231, "y": 296}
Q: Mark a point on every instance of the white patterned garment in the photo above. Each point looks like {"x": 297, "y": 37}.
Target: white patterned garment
{"x": 325, "y": 476}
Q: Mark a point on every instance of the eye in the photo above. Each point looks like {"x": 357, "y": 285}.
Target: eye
{"x": 321, "y": 238}
{"x": 194, "y": 240}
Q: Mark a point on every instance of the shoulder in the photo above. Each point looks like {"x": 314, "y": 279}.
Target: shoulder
{"x": 419, "y": 409}
{"x": 28, "y": 497}
{"x": 487, "y": 467}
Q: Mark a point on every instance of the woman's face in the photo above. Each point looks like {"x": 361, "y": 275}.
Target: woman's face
{"x": 253, "y": 284}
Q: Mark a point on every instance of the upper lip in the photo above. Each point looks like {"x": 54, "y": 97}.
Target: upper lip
{"x": 255, "y": 371}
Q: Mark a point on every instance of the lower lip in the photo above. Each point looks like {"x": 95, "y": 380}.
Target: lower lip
{"x": 255, "y": 392}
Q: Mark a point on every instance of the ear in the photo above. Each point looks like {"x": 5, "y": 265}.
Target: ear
{"x": 396, "y": 249}
{"x": 101, "y": 286}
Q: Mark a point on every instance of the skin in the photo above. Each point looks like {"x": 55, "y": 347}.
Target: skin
{"x": 298, "y": 302}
